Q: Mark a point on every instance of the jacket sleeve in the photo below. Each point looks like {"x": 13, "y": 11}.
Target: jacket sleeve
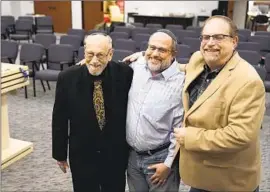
{"x": 244, "y": 122}
{"x": 60, "y": 122}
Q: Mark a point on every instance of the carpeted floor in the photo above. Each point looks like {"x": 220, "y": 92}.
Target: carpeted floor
{"x": 30, "y": 120}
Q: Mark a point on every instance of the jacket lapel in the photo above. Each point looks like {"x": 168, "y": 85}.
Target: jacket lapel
{"x": 213, "y": 87}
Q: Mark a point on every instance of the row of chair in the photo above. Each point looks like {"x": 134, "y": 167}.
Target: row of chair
{"x": 59, "y": 57}
{"x": 26, "y": 25}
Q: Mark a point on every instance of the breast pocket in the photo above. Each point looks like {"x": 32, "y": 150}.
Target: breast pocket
{"x": 161, "y": 114}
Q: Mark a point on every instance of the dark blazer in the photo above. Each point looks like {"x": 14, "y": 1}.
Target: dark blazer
{"x": 74, "y": 121}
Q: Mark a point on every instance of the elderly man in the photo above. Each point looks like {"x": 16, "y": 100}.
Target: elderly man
{"x": 154, "y": 110}
{"x": 89, "y": 116}
{"x": 224, "y": 103}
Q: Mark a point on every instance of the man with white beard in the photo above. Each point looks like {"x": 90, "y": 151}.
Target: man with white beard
{"x": 154, "y": 110}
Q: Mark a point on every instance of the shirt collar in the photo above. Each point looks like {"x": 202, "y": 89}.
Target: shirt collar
{"x": 167, "y": 73}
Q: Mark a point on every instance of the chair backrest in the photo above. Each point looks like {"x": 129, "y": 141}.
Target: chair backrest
{"x": 144, "y": 45}
{"x": 183, "y": 60}
{"x": 31, "y": 52}
{"x": 252, "y": 57}
{"x": 261, "y": 71}
{"x": 181, "y": 34}
{"x": 9, "y": 19}
{"x": 264, "y": 33}
{"x": 245, "y": 32}
{"x": 9, "y": 51}
{"x": 183, "y": 51}
{"x": 153, "y": 25}
{"x": 262, "y": 40}
{"x": 45, "y": 39}
{"x": 250, "y": 46}
{"x": 123, "y": 29}
{"x": 26, "y": 18}
{"x": 118, "y": 35}
{"x": 242, "y": 38}
{"x": 44, "y": 24}
{"x": 73, "y": 40}
{"x": 197, "y": 30}
{"x": 119, "y": 55}
{"x": 267, "y": 63}
{"x": 193, "y": 43}
{"x": 138, "y": 30}
{"x": 267, "y": 66}
{"x": 78, "y": 32}
{"x": 44, "y": 21}
{"x": 23, "y": 25}
{"x": 139, "y": 38}
{"x": 137, "y": 24}
{"x": 125, "y": 44}
{"x": 174, "y": 27}
{"x": 80, "y": 54}
{"x": 60, "y": 53}
{"x": 95, "y": 31}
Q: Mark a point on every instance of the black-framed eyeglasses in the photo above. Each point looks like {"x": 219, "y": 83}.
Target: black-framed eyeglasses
{"x": 159, "y": 49}
{"x": 215, "y": 37}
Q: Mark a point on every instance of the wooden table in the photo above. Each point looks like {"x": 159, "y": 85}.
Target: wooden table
{"x": 12, "y": 78}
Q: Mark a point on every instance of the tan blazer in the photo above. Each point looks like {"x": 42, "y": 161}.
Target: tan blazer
{"x": 222, "y": 149}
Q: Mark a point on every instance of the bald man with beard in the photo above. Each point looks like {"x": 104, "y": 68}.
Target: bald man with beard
{"x": 89, "y": 119}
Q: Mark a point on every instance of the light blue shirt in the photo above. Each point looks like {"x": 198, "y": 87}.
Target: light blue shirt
{"x": 154, "y": 108}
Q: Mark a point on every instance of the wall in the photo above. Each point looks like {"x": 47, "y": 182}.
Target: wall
{"x": 76, "y": 11}
{"x": 159, "y": 7}
{"x": 21, "y": 8}
{"x": 239, "y": 13}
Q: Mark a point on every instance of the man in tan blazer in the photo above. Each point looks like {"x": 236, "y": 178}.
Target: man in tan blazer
{"x": 224, "y": 103}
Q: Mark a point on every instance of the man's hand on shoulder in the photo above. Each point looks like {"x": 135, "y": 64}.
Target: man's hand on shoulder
{"x": 131, "y": 58}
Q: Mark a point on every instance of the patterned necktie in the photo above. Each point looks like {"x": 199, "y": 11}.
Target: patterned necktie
{"x": 99, "y": 104}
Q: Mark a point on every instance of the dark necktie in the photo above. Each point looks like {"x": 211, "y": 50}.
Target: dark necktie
{"x": 99, "y": 104}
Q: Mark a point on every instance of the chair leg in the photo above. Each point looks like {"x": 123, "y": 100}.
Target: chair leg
{"x": 25, "y": 92}
{"x": 44, "y": 89}
{"x": 48, "y": 85}
{"x": 34, "y": 86}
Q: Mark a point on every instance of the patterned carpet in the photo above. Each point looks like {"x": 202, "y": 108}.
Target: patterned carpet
{"x": 30, "y": 120}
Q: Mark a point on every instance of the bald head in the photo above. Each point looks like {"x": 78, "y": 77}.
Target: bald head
{"x": 166, "y": 38}
{"x": 99, "y": 39}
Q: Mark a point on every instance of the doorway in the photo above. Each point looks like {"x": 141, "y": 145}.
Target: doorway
{"x": 92, "y": 12}
{"x": 60, "y": 11}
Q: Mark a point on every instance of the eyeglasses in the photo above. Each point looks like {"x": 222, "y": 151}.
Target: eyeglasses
{"x": 159, "y": 49}
{"x": 216, "y": 37}
{"x": 100, "y": 56}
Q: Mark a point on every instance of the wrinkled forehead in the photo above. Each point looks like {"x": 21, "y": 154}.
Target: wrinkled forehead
{"x": 216, "y": 26}
{"x": 97, "y": 43}
{"x": 160, "y": 40}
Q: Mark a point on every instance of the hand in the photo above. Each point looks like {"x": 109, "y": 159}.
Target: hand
{"x": 179, "y": 134}
{"x": 161, "y": 174}
{"x": 133, "y": 57}
{"x": 63, "y": 165}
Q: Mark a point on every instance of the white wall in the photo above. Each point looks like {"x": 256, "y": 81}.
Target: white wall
{"x": 76, "y": 10}
{"x": 239, "y": 13}
{"x": 22, "y": 8}
{"x": 5, "y": 8}
{"x": 159, "y": 7}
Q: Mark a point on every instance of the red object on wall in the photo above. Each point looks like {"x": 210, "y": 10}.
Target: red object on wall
{"x": 121, "y": 5}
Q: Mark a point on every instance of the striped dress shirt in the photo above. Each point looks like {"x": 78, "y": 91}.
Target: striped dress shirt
{"x": 154, "y": 108}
